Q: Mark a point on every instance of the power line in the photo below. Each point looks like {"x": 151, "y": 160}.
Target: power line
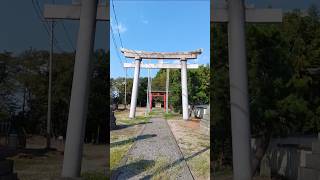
{"x": 68, "y": 36}
{"x": 115, "y": 17}
{"x": 115, "y": 45}
{"x": 37, "y": 9}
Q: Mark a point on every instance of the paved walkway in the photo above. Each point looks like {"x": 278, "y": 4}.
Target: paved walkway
{"x": 154, "y": 155}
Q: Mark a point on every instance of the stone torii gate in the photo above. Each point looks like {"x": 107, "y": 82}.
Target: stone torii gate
{"x": 161, "y": 66}
{"x": 236, "y": 15}
{"x": 182, "y": 56}
{"x": 88, "y": 12}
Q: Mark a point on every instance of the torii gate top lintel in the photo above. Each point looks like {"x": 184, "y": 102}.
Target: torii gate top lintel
{"x": 161, "y": 55}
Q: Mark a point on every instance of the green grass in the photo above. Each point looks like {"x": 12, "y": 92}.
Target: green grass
{"x": 200, "y": 165}
{"x": 170, "y": 115}
{"x": 117, "y": 153}
{"x": 94, "y": 176}
{"x": 135, "y": 121}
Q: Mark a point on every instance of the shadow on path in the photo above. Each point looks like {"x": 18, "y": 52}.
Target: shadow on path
{"x": 175, "y": 163}
{"x": 131, "y": 169}
{"x": 140, "y": 137}
{"x": 122, "y": 126}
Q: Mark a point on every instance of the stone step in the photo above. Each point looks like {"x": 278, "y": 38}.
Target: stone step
{"x": 313, "y": 161}
{"x": 316, "y": 147}
{"x": 6, "y": 167}
{"x": 308, "y": 174}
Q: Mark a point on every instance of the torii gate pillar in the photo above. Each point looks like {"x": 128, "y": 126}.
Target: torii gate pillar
{"x": 184, "y": 89}
{"x": 239, "y": 91}
{"x": 88, "y": 12}
{"x": 135, "y": 87}
{"x": 182, "y": 56}
{"x": 236, "y": 15}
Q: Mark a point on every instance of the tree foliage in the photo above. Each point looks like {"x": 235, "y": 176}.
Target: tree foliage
{"x": 24, "y": 92}
{"x": 283, "y": 96}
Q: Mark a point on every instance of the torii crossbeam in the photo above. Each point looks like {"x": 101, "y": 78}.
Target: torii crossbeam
{"x": 182, "y": 56}
{"x": 236, "y": 15}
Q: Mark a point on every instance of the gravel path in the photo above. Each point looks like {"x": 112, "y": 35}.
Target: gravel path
{"x": 155, "y": 155}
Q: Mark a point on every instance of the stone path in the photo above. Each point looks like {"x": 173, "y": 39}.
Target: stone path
{"x": 155, "y": 155}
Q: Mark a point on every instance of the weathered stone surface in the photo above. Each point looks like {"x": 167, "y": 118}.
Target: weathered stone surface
{"x": 308, "y": 174}
{"x": 313, "y": 161}
{"x": 160, "y": 55}
{"x": 112, "y": 119}
{"x": 316, "y": 147}
{"x": 205, "y": 121}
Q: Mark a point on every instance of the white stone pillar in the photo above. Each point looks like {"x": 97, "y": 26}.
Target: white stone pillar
{"x": 134, "y": 94}
{"x": 239, "y": 100}
{"x": 80, "y": 90}
{"x": 184, "y": 89}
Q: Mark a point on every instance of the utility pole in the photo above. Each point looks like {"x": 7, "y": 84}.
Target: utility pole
{"x": 148, "y": 92}
{"x": 125, "y": 90}
{"x": 167, "y": 89}
{"x": 50, "y": 85}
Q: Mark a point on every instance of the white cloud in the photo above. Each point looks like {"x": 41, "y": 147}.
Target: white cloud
{"x": 122, "y": 28}
{"x": 145, "y": 21}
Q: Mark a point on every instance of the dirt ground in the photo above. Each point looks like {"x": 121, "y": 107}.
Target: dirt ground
{"x": 34, "y": 162}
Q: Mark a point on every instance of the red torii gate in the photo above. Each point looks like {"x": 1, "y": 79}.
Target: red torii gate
{"x": 158, "y": 94}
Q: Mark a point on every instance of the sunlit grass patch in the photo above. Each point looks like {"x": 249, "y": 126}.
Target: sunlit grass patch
{"x": 164, "y": 170}
{"x": 117, "y": 153}
{"x": 136, "y": 120}
{"x": 126, "y": 138}
{"x": 172, "y": 116}
{"x": 200, "y": 165}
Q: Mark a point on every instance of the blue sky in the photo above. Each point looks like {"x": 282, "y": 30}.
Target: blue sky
{"x": 165, "y": 26}
{"x": 21, "y": 29}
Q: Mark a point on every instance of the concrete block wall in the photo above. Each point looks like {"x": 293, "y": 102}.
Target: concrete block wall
{"x": 311, "y": 170}
{"x": 287, "y": 156}
{"x": 205, "y": 121}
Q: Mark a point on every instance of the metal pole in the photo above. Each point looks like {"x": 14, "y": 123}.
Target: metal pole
{"x": 167, "y": 90}
{"x": 125, "y": 90}
{"x": 240, "y": 120}
{"x": 80, "y": 90}
{"x": 184, "y": 86}
{"x": 50, "y": 87}
{"x": 134, "y": 94}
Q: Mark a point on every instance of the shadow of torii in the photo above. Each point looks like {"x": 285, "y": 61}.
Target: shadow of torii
{"x": 175, "y": 163}
{"x": 131, "y": 169}
{"x": 141, "y": 137}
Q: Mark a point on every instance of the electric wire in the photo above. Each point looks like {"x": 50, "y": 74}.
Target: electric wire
{"x": 44, "y": 23}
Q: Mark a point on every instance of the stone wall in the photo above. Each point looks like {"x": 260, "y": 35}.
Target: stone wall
{"x": 205, "y": 121}
{"x": 311, "y": 168}
{"x": 290, "y": 158}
